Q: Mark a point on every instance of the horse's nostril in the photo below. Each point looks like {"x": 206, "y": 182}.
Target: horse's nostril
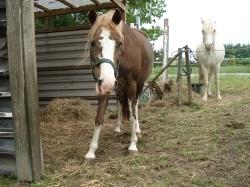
{"x": 99, "y": 82}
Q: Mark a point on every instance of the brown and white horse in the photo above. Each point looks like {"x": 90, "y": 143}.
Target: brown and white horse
{"x": 121, "y": 59}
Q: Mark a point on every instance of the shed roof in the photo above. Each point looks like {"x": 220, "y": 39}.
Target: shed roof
{"x": 47, "y": 8}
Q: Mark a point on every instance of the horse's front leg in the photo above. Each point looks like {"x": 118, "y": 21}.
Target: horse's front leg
{"x": 216, "y": 81}
{"x": 132, "y": 102}
{"x": 205, "y": 82}
{"x": 210, "y": 76}
{"x": 102, "y": 106}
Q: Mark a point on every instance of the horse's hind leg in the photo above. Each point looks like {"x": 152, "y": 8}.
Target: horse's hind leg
{"x": 137, "y": 125}
{"x": 102, "y": 106}
{"x": 119, "y": 118}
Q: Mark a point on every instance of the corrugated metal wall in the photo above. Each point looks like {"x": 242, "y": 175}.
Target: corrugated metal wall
{"x": 62, "y": 70}
{"x": 7, "y": 142}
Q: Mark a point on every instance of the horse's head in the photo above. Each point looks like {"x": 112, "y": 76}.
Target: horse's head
{"x": 106, "y": 41}
{"x": 208, "y": 32}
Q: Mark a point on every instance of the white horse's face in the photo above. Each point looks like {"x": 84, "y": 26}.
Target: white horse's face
{"x": 208, "y": 32}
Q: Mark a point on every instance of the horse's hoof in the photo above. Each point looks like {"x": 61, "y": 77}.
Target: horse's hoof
{"x": 204, "y": 99}
{"x": 117, "y": 130}
{"x": 219, "y": 97}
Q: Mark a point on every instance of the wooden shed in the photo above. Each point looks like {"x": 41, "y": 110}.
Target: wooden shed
{"x": 37, "y": 67}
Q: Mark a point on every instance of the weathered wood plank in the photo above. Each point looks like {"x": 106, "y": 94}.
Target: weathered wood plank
{"x": 23, "y": 83}
{"x": 17, "y": 84}
{"x": 31, "y": 93}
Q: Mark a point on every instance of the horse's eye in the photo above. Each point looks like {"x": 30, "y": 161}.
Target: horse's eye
{"x": 93, "y": 44}
{"x": 214, "y": 30}
{"x": 203, "y": 31}
{"x": 118, "y": 44}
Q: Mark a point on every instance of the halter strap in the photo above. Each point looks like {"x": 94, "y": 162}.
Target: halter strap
{"x": 101, "y": 61}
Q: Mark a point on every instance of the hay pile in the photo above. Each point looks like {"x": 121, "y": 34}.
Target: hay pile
{"x": 66, "y": 128}
{"x": 65, "y": 110}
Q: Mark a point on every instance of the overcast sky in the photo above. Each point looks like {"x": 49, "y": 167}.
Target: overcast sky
{"x": 232, "y": 21}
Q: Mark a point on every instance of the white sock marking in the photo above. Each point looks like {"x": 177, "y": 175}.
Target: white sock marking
{"x": 119, "y": 118}
{"x": 137, "y": 125}
{"x": 94, "y": 143}
{"x": 133, "y": 141}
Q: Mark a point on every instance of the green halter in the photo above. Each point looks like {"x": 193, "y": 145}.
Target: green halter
{"x": 100, "y": 61}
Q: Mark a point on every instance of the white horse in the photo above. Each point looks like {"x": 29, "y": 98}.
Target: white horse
{"x": 210, "y": 55}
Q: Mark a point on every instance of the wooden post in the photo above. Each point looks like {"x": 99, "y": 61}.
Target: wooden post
{"x": 165, "y": 49}
{"x": 179, "y": 78}
{"x": 124, "y": 18}
{"x": 188, "y": 75}
{"x": 23, "y": 85}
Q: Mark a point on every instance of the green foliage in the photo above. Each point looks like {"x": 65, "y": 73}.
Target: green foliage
{"x": 237, "y": 54}
{"x": 148, "y": 11}
{"x": 158, "y": 55}
{"x": 153, "y": 33}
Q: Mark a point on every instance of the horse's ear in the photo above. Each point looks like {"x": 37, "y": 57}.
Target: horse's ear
{"x": 117, "y": 16}
{"x": 202, "y": 21}
{"x": 92, "y": 16}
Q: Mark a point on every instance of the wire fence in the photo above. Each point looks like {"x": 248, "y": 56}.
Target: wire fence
{"x": 230, "y": 57}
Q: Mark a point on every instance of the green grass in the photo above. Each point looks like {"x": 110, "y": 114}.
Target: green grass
{"x": 205, "y": 144}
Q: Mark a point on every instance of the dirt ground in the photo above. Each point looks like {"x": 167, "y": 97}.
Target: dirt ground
{"x": 203, "y": 144}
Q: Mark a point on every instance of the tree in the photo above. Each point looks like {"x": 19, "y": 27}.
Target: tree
{"x": 149, "y": 11}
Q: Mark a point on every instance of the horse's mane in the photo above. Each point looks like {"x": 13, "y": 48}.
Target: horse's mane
{"x": 142, "y": 32}
{"x": 105, "y": 21}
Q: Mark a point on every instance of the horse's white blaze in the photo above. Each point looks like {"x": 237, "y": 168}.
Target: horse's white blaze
{"x": 119, "y": 118}
{"x": 107, "y": 71}
{"x": 137, "y": 125}
{"x": 94, "y": 143}
{"x": 133, "y": 141}
{"x": 210, "y": 55}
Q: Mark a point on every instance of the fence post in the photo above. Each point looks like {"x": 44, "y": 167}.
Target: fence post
{"x": 165, "y": 49}
{"x": 23, "y": 85}
{"x": 179, "y": 78}
{"x": 188, "y": 74}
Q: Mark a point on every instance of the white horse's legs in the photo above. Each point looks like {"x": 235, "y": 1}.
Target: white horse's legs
{"x": 205, "y": 82}
{"x": 210, "y": 76}
{"x": 216, "y": 81}
{"x": 137, "y": 125}
{"x": 119, "y": 118}
{"x": 94, "y": 143}
{"x": 132, "y": 147}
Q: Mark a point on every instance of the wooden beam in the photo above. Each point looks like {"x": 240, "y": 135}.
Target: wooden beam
{"x": 96, "y": 2}
{"x": 45, "y": 9}
{"x": 74, "y": 10}
{"x": 23, "y": 86}
{"x": 67, "y": 3}
{"x": 120, "y": 5}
